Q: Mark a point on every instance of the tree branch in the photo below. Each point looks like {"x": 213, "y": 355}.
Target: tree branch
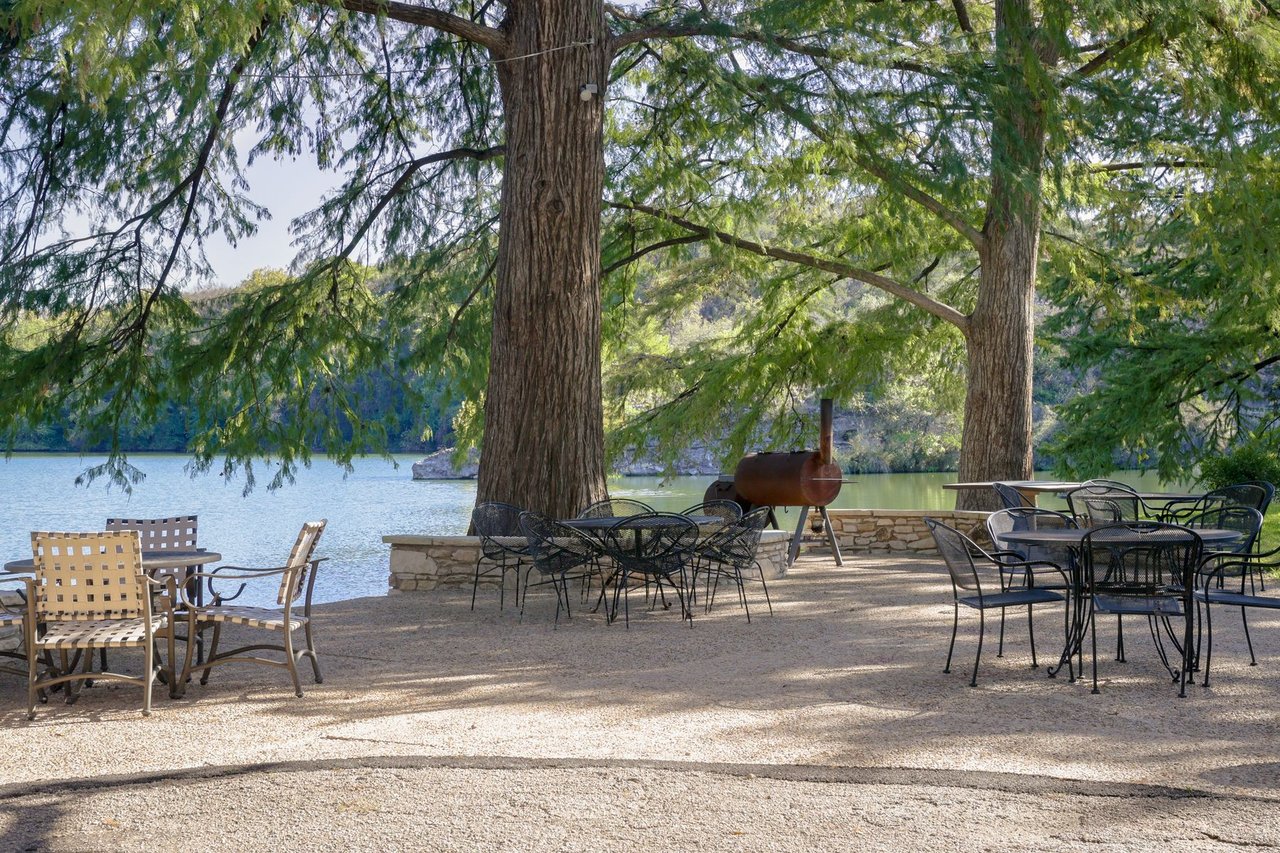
{"x": 921, "y": 300}
{"x": 962, "y": 15}
{"x": 1151, "y": 164}
{"x": 1251, "y": 370}
{"x": 919, "y": 196}
{"x": 423, "y": 16}
{"x": 1108, "y": 54}
{"x": 653, "y": 247}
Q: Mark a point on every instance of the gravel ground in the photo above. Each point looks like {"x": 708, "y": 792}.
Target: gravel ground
{"x": 827, "y": 725}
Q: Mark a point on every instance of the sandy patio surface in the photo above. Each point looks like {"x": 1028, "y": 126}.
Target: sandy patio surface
{"x": 829, "y": 725}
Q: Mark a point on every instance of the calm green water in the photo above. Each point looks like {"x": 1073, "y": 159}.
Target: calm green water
{"x": 38, "y": 492}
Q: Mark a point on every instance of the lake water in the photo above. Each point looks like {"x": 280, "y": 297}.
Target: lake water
{"x": 38, "y": 492}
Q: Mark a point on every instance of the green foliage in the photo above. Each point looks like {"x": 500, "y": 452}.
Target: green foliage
{"x": 1251, "y": 461}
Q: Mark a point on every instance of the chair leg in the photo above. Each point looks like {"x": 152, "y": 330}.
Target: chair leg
{"x": 765, "y": 585}
{"x": 475, "y": 583}
{"x": 32, "y": 670}
{"x": 1208, "y": 649}
{"x": 982, "y": 630}
{"x": 172, "y": 649}
{"x": 193, "y": 628}
{"x": 213, "y": 652}
{"x": 311, "y": 653}
{"x": 955, "y": 626}
{"x": 1000, "y": 645}
{"x": 291, "y": 660}
{"x": 1244, "y": 618}
{"x": 1031, "y": 632}
{"x": 1093, "y": 633}
{"x": 1120, "y": 639}
{"x": 148, "y": 677}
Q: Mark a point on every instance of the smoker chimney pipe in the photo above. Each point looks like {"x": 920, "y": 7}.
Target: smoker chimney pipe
{"x": 826, "y": 437}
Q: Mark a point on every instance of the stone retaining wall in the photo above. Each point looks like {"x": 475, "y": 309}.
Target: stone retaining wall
{"x": 421, "y": 563}
{"x": 898, "y": 531}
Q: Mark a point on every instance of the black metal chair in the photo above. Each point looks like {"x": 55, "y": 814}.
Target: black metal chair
{"x": 656, "y": 546}
{"x": 1268, "y": 490}
{"x": 13, "y": 611}
{"x": 615, "y": 508}
{"x": 731, "y": 553}
{"x": 962, "y": 557}
{"x": 1211, "y": 590}
{"x": 1015, "y": 519}
{"x": 727, "y": 511}
{"x": 503, "y": 546}
{"x": 1142, "y": 569}
{"x": 1238, "y": 494}
{"x": 559, "y": 554}
{"x": 1107, "y": 502}
{"x": 1011, "y": 498}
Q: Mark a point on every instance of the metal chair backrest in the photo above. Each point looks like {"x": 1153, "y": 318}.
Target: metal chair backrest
{"x": 1104, "y": 502}
{"x": 292, "y": 583}
{"x": 556, "y": 547}
{"x": 651, "y": 539}
{"x": 1245, "y": 520}
{"x": 1269, "y": 492}
{"x": 1241, "y": 494}
{"x": 615, "y": 508}
{"x": 161, "y": 534}
{"x": 1144, "y": 558}
{"x": 956, "y": 552}
{"x": 494, "y": 518}
{"x": 739, "y": 542}
{"x": 1017, "y": 519}
{"x": 89, "y": 576}
{"x": 1011, "y": 498}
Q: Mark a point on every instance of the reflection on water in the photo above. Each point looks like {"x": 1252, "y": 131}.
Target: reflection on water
{"x": 38, "y": 492}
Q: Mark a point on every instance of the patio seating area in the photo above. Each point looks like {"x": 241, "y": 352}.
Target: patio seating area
{"x": 835, "y": 710}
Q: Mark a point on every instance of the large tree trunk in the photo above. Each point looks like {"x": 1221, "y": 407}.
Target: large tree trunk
{"x": 543, "y": 445}
{"x": 996, "y": 443}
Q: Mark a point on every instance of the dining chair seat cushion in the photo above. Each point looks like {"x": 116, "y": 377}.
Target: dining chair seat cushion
{"x": 1012, "y": 598}
{"x": 98, "y": 634}
{"x": 1239, "y": 599}
{"x": 254, "y": 617}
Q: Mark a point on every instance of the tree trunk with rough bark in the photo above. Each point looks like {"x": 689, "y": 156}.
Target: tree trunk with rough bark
{"x": 996, "y": 443}
{"x": 544, "y": 425}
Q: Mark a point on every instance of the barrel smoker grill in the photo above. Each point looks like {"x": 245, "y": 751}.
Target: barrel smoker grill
{"x": 801, "y": 478}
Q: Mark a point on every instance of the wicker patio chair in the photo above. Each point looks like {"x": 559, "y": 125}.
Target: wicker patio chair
{"x": 657, "y": 546}
{"x": 560, "y": 554}
{"x": 966, "y": 564}
{"x": 731, "y": 554}
{"x": 90, "y": 592}
{"x": 502, "y": 546}
{"x": 615, "y": 508}
{"x": 1143, "y": 569}
{"x": 297, "y": 579}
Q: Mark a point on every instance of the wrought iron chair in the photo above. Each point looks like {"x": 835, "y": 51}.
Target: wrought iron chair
{"x": 1268, "y": 490}
{"x": 657, "y": 546}
{"x": 964, "y": 558}
{"x": 1107, "y": 502}
{"x": 559, "y": 554}
{"x": 502, "y": 546}
{"x": 730, "y": 553}
{"x": 1011, "y": 498}
{"x": 1211, "y": 590}
{"x": 297, "y": 579}
{"x": 1026, "y": 556}
{"x": 615, "y": 508}
{"x": 728, "y": 512}
{"x": 1143, "y": 569}
{"x": 90, "y": 592}
{"x": 1239, "y": 494}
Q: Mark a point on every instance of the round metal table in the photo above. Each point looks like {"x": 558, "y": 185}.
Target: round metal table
{"x": 152, "y": 561}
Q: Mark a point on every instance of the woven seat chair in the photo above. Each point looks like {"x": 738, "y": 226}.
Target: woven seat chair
{"x": 615, "y": 508}
{"x": 90, "y": 592}
{"x": 502, "y": 546}
{"x": 296, "y": 578}
{"x": 731, "y": 553}
{"x": 560, "y": 554}
{"x": 177, "y": 533}
{"x": 966, "y": 564}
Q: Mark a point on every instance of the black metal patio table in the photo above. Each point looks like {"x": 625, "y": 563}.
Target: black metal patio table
{"x": 1073, "y": 538}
